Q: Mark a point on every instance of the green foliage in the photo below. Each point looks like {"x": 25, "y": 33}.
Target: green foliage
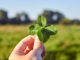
{"x": 65, "y": 21}
{"x": 3, "y": 14}
{"x": 43, "y": 20}
{"x": 42, "y": 29}
{"x": 33, "y": 29}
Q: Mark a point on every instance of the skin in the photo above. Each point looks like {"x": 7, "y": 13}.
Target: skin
{"x": 29, "y": 48}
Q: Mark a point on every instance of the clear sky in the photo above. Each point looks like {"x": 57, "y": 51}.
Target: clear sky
{"x": 70, "y": 8}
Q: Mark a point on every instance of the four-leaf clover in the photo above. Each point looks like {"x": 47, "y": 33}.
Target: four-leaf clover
{"x": 42, "y": 29}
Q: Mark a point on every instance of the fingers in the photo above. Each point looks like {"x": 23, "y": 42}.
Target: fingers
{"x": 23, "y": 44}
{"x": 38, "y": 45}
{"x": 38, "y": 49}
{"x": 30, "y": 43}
{"x": 44, "y": 52}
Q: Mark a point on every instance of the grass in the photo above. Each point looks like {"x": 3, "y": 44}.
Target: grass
{"x": 63, "y": 46}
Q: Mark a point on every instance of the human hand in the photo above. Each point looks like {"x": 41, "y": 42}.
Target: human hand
{"x": 29, "y": 48}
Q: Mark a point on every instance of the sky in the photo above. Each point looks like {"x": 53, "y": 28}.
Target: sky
{"x": 70, "y": 8}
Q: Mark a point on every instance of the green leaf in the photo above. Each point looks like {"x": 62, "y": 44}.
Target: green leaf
{"x": 43, "y": 20}
{"x": 40, "y": 35}
{"x": 39, "y": 20}
{"x": 43, "y": 34}
{"x": 52, "y": 29}
{"x": 33, "y": 29}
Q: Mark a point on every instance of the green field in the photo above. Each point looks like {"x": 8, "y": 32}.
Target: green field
{"x": 63, "y": 46}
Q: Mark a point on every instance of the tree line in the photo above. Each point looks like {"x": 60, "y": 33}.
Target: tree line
{"x": 53, "y": 17}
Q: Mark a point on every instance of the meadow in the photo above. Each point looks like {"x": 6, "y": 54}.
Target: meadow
{"x": 65, "y": 45}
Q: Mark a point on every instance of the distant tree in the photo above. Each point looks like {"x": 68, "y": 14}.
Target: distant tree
{"x": 52, "y": 17}
{"x": 48, "y": 14}
{"x": 3, "y": 17}
{"x": 20, "y": 18}
{"x": 75, "y": 21}
{"x": 17, "y": 18}
{"x": 65, "y": 21}
{"x": 57, "y": 17}
{"x": 24, "y": 18}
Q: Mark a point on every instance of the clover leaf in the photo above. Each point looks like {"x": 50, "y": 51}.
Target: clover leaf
{"x": 42, "y": 30}
{"x": 51, "y": 28}
{"x": 41, "y": 21}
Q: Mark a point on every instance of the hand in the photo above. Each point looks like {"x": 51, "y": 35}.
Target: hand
{"x": 29, "y": 48}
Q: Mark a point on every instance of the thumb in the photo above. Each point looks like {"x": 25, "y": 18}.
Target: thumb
{"x": 38, "y": 46}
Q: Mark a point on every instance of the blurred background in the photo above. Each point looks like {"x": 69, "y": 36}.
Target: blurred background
{"x": 17, "y": 15}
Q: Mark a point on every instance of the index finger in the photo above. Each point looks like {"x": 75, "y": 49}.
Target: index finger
{"x": 22, "y": 45}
